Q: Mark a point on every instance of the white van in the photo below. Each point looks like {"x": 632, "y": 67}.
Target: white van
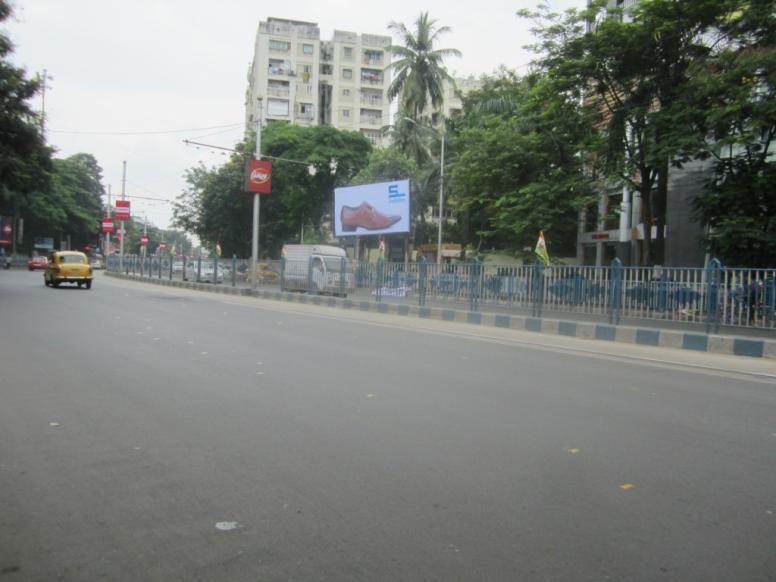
{"x": 316, "y": 269}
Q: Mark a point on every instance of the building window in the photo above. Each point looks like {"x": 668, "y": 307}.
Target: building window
{"x": 279, "y": 45}
{"x": 277, "y": 107}
{"x": 347, "y": 73}
{"x": 346, "y": 113}
{"x": 308, "y": 49}
{"x": 346, "y": 92}
{"x": 347, "y": 52}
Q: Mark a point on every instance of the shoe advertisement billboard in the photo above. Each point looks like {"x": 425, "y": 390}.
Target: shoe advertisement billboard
{"x": 382, "y": 208}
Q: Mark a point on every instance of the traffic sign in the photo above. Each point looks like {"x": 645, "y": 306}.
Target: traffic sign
{"x": 122, "y": 209}
{"x": 107, "y": 224}
{"x": 162, "y": 245}
{"x": 144, "y": 239}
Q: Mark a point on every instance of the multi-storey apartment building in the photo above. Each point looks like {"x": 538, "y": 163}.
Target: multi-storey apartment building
{"x": 298, "y": 78}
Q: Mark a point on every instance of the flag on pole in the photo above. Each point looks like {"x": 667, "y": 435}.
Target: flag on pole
{"x": 172, "y": 249}
{"x": 541, "y": 249}
{"x": 218, "y": 249}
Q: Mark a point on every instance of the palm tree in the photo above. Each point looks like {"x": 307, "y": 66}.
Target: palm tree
{"x": 420, "y": 70}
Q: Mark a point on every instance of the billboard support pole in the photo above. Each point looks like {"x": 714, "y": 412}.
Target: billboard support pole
{"x": 256, "y": 205}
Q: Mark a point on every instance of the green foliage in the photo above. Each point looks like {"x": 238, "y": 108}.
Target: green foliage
{"x": 217, "y": 209}
{"x": 25, "y": 161}
{"x": 636, "y": 74}
{"x": 517, "y": 170}
{"x": 735, "y": 92}
{"x": 71, "y": 205}
{"x": 419, "y": 68}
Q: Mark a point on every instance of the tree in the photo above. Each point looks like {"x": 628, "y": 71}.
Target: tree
{"x": 420, "y": 70}
{"x": 734, "y": 93}
{"x": 517, "y": 167}
{"x": 635, "y": 74}
{"x": 216, "y": 208}
{"x": 25, "y": 161}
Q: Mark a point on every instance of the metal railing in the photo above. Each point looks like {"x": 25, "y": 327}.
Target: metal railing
{"x": 714, "y": 296}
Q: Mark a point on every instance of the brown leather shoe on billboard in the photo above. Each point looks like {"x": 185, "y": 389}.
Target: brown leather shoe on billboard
{"x": 365, "y": 216}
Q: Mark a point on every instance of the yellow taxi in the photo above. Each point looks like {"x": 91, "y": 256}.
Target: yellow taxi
{"x": 68, "y": 267}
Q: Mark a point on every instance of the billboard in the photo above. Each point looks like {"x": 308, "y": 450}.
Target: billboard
{"x": 43, "y": 242}
{"x": 382, "y": 208}
{"x": 258, "y": 177}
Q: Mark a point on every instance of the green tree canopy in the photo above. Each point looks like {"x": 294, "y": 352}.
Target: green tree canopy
{"x": 216, "y": 208}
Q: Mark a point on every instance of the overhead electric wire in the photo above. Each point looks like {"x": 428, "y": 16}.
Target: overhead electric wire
{"x": 149, "y": 132}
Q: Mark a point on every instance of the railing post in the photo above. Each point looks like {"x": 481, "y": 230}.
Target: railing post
{"x": 342, "y": 275}
{"x": 422, "y": 275}
{"x": 234, "y": 270}
{"x": 474, "y": 284}
{"x": 215, "y": 271}
{"x": 183, "y": 272}
{"x": 172, "y": 260}
{"x": 380, "y": 280}
{"x": 537, "y": 288}
{"x": 615, "y": 291}
{"x": 713, "y": 271}
{"x": 160, "y": 266}
{"x": 199, "y": 267}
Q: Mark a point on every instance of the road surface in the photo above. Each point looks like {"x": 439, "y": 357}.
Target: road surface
{"x": 160, "y": 434}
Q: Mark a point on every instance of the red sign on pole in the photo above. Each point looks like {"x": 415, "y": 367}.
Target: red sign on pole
{"x": 107, "y": 224}
{"x": 122, "y": 209}
{"x": 144, "y": 239}
{"x": 259, "y": 175}
{"x": 162, "y": 245}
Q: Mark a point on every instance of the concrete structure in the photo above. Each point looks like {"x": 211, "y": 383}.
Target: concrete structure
{"x": 308, "y": 81}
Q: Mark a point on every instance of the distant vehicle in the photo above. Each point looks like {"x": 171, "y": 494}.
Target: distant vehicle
{"x": 96, "y": 264}
{"x": 317, "y": 269}
{"x": 68, "y": 267}
{"x": 206, "y": 272}
{"x": 37, "y": 263}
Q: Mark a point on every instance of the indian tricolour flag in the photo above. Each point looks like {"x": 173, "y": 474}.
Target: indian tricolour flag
{"x": 541, "y": 249}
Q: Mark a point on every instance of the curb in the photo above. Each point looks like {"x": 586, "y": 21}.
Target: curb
{"x": 664, "y": 338}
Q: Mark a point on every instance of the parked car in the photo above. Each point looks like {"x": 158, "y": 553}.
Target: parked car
{"x": 68, "y": 267}
{"x": 37, "y": 263}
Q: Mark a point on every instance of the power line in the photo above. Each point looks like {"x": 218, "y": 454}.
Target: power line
{"x": 151, "y": 132}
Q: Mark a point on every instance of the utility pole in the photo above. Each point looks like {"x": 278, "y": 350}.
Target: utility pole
{"x": 43, "y": 103}
{"x": 145, "y": 232}
{"x": 256, "y": 204}
{"x": 106, "y": 252}
{"x": 121, "y": 227}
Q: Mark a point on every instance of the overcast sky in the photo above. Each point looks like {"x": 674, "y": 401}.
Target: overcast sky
{"x": 162, "y": 65}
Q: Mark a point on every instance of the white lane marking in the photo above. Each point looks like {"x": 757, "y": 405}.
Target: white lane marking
{"x": 204, "y": 354}
{"x": 227, "y": 525}
{"x": 259, "y": 373}
{"x": 156, "y": 339}
{"x": 191, "y": 343}
{"x": 259, "y": 363}
{"x": 54, "y": 424}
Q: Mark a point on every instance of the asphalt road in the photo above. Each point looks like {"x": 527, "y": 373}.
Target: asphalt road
{"x": 161, "y": 434}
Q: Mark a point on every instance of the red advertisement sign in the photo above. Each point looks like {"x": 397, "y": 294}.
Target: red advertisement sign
{"x": 107, "y": 224}
{"x": 162, "y": 245}
{"x": 259, "y": 177}
{"x": 122, "y": 209}
{"x": 144, "y": 239}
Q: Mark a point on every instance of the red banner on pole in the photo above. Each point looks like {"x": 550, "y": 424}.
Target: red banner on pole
{"x": 122, "y": 210}
{"x": 107, "y": 224}
{"x": 259, "y": 177}
{"x": 144, "y": 239}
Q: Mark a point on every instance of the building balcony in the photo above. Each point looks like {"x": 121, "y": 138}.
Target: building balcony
{"x": 372, "y": 101}
{"x": 278, "y": 92}
{"x": 373, "y": 81}
{"x": 371, "y": 120}
{"x": 281, "y": 72}
{"x": 372, "y": 61}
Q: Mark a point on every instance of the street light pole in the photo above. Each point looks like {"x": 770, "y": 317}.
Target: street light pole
{"x": 256, "y": 205}
{"x": 441, "y": 195}
{"x": 121, "y": 225}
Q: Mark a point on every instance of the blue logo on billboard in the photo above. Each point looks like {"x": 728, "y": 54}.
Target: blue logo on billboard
{"x": 394, "y": 195}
